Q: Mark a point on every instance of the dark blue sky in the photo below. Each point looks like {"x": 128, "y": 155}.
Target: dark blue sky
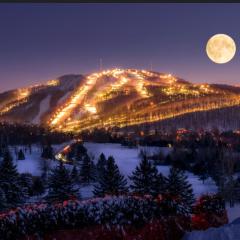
{"x": 43, "y": 41}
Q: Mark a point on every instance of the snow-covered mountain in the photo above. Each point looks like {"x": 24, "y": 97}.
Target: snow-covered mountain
{"x": 123, "y": 98}
{"x": 33, "y": 104}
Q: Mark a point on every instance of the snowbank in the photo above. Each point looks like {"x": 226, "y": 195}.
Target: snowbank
{"x": 226, "y": 232}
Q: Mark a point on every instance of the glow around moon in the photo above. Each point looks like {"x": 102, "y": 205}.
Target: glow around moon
{"x": 221, "y": 48}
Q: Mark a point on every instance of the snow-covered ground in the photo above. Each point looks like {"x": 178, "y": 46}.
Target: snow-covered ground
{"x": 226, "y": 232}
{"x": 126, "y": 158}
{"x": 44, "y": 106}
{"x": 33, "y": 162}
{"x": 233, "y": 212}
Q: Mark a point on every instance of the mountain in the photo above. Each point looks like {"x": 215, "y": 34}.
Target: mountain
{"x": 33, "y": 104}
{"x": 123, "y": 98}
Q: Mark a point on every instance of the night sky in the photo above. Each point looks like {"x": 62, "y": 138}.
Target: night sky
{"x": 39, "y": 42}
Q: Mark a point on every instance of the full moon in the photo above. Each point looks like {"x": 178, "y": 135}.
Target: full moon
{"x": 221, "y": 48}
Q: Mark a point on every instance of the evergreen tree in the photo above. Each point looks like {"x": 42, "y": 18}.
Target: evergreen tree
{"x": 75, "y": 175}
{"x": 177, "y": 185}
{"x": 26, "y": 181}
{"x": 47, "y": 152}
{"x": 168, "y": 159}
{"x": 45, "y": 167}
{"x": 111, "y": 182}
{"x": 1, "y": 151}
{"x": 101, "y": 165}
{"x": 200, "y": 168}
{"x": 146, "y": 179}
{"x": 77, "y": 152}
{"x": 87, "y": 172}
{"x": 3, "y": 200}
{"x": 38, "y": 187}
{"x": 203, "y": 172}
{"x": 10, "y": 181}
{"x": 21, "y": 155}
{"x": 61, "y": 185}
{"x": 229, "y": 190}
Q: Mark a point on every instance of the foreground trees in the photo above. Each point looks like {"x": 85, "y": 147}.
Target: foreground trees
{"x": 61, "y": 185}
{"x": 177, "y": 185}
{"x": 88, "y": 170}
{"x": 111, "y": 181}
{"x": 12, "y": 191}
{"x": 147, "y": 180}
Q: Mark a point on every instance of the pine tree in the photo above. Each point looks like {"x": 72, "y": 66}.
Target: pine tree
{"x": 101, "y": 165}
{"x": 47, "y": 152}
{"x": 21, "y": 155}
{"x": 61, "y": 185}
{"x": 1, "y": 151}
{"x": 77, "y": 152}
{"x": 3, "y": 200}
{"x": 10, "y": 181}
{"x": 75, "y": 174}
{"x": 111, "y": 182}
{"x": 178, "y": 186}
{"x": 87, "y": 172}
{"x": 146, "y": 179}
{"x": 26, "y": 181}
{"x": 38, "y": 187}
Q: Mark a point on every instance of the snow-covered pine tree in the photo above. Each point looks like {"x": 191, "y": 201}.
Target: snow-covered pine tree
{"x": 178, "y": 186}
{"x": 21, "y": 155}
{"x": 146, "y": 179}
{"x": 60, "y": 184}
{"x": 112, "y": 182}
{"x": 88, "y": 170}
{"x": 10, "y": 181}
{"x": 101, "y": 165}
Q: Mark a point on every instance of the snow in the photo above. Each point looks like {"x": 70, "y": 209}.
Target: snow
{"x": 64, "y": 97}
{"x": 233, "y": 212}
{"x": 86, "y": 191}
{"x": 44, "y": 106}
{"x": 126, "y": 158}
{"x": 32, "y": 161}
{"x": 199, "y": 187}
{"x": 226, "y": 232}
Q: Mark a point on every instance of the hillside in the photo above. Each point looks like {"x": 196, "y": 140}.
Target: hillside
{"x": 33, "y": 104}
{"x": 121, "y": 98}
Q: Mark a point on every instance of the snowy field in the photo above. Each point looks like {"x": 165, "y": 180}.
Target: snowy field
{"x": 126, "y": 159}
{"x": 33, "y": 162}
